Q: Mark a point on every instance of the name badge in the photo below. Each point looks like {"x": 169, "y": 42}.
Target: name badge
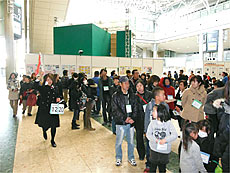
{"x": 170, "y": 97}
{"x": 106, "y": 88}
{"x": 176, "y": 113}
{"x": 128, "y": 109}
{"x": 197, "y": 104}
{"x": 179, "y": 102}
{"x": 161, "y": 147}
{"x": 56, "y": 108}
{"x": 205, "y": 157}
{"x": 144, "y": 107}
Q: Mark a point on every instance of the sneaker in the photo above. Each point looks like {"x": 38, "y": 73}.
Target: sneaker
{"x": 23, "y": 112}
{"x": 14, "y": 116}
{"x": 29, "y": 114}
{"x": 133, "y": 162}
{"x": 118, "y": 162}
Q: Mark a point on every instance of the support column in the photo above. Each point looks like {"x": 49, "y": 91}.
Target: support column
{"x": 9, "y": 37}
{"x": 221, "y": 45}
{"x": 155, "y": 49}
{"x": 144, "y": 52}
{"x": 201, "y": 53}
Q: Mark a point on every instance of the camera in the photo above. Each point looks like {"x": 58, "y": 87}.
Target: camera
{"x": 80, "y": 52}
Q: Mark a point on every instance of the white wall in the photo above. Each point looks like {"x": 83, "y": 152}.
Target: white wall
{"x": 57, "y": 63}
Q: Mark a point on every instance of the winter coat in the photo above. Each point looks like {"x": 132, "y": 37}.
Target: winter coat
{"x": 211, "y": 97}
{"x": 90, "y": 91}
{"x": 139, "y": 121}
{"x": 64, "y": 82}
{"x": 100, "y": 85}
{"x": 75, "y": 94}
{"x": 13, "y": 87}
{"x": 24, "y": 90}
{"x": 119, "y": 107}
{"x": 206, "y": 145}
{"x": 189, "y": 112}
{"x": 150, "y": 87}
{"x": 48, "y": 95}
{"x": 59, "y": 87}
{"x": 113, "y": 89}
{"x": 169, "y": 91}
{"x": 221, "y": 146}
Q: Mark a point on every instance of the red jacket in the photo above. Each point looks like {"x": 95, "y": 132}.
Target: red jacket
{"x": 169, "y": 91}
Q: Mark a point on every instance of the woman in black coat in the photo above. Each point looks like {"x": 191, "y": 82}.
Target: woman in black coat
{"x": 143, "y": 97}
{"x": 48, "y": 95}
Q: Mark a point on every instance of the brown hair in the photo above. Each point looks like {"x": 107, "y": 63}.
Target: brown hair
{"x": 49, "y": 75}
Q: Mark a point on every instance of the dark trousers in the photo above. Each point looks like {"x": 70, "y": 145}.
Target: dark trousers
{"x": 87, "y": 114}
{"x": 76, "y": 114}
{"x": 161, "y": 167}
{"x": 140, "y": 143}
{"x": 147, "y": 163}
{"x": 106, "y": 107}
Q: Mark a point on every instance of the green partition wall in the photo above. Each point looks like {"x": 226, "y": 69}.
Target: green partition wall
{"x": 121, "y": 44}
{"x": 94, "y": 41}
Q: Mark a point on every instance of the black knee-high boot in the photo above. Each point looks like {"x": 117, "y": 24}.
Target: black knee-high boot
{"x": 44, "y": 133}
{"x": 53, "y": 133}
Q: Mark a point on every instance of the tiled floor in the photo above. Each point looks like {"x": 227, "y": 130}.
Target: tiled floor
{"x": 77, "y": 151}
{"x": 8, "y": 131}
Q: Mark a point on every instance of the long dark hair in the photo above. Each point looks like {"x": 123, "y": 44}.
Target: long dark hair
{"x": 188, "y": 128}
{"x": 10, "y": 77}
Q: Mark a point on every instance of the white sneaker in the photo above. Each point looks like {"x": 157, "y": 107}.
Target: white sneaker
{"x": 118, "y": 162}
{"x": 133, "y": 162}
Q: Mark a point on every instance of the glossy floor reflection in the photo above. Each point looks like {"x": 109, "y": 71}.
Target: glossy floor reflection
{"x": 8, "y": 131}
{"x": 77, "y": 151}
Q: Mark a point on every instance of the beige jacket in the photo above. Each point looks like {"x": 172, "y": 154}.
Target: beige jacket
{"x": 189, "y": 112}
{"x": 13, "y": 87}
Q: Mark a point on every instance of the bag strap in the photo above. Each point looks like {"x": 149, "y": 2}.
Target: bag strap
{"x": 142, "y": 98}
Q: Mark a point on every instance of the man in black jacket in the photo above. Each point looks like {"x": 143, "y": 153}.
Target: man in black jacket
{"x": 124, "y": 111}
{"x": 132, "y": 81}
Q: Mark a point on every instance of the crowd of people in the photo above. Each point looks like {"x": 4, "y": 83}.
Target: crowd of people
{"x": 141, "y": 104}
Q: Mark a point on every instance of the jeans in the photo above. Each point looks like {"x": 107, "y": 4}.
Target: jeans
{"x": 106, "y": 105}
{"x": 121, "y": 131}
{"x": 113, "y": 126}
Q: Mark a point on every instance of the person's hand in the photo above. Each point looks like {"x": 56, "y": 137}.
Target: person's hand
{"x": 156, "y": 140}
{"x": 177, "y": 109}
{"x": 58, "y": 100}
{"x": 87, "y": 99}
{"x": 20, "y": 97}
{"x": 131, "y": 121}
{"x": 162, "y": 141}
{"x": 31, "y": 91}
{"x": 144, "y": 134}
{"x": 42, "y": 73}
{"x": 127, "y": 119}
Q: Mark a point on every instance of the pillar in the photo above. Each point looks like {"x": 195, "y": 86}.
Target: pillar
{"x": 144, "y": 52}
{"x": 221, "y": 45}
{"x": 155, "y": 49}
{"x": 9, "y": 38}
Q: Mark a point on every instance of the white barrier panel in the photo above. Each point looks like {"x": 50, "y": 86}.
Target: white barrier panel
{"x": 89, "y": 64}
